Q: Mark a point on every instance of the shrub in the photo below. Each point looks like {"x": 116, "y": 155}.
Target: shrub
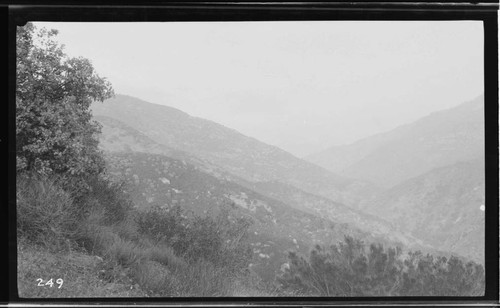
{"x": 46, "y": 213}
{"x": 218, "y": 240}
{"x": 127, "y": 228}
{"x": 427, "y": 275}
{"x": 353, "y": 269}
{"x": 155, "y": 279}
{"x": 162, "y": 225}
{"x": 125, "y": 252}
{"x": 236, "y": 253}
{"x": 92, "y": 235}
{"x": 165, "y": 255}
{"x": 202, "y": 240}
{"x": 110, "y": 196}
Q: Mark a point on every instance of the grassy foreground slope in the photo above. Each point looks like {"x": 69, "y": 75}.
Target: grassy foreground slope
{"x": 79, "y": 271}
{"x": 109, "y": 249}
{"x": 112, "y": 250}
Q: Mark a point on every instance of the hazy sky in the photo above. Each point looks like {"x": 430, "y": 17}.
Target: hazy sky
{"x": 302, "y": 86}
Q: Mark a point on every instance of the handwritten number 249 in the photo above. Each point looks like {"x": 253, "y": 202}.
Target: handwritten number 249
{"x": 49, "y": 282}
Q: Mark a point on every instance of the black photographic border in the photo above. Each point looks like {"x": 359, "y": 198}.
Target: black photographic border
{"x": 114, "y": 11}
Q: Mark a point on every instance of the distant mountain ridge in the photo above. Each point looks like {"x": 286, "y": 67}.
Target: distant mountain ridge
{"x": 444, "y": 207}
{"x": 433, "y": 170}
{"x": 437, "y": 140}
{"x": 119, "y": 137}
{"x": 240, "y": 155}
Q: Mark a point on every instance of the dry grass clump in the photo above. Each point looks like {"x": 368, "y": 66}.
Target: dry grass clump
{"x": 46, "y": 214}
{"x": 204, "y": 279}
{"x": 165, "y": 255}
{"x": 155, "y": 278}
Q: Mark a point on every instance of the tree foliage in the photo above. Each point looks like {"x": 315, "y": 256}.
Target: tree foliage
{"x": 350, "y": 268}
{"x": 55, "y": 133}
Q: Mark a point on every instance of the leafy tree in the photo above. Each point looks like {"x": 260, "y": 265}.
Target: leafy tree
{"x": 55, "y": 133}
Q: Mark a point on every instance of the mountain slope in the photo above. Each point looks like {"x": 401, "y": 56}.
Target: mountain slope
{"x": 209, "y": 169}
{"x": 118, "y": 137}
{"x": 386, "y": 159}
{"x": 237, "y": 154}
{"x": 444, "y": 207}
{"x": 163, "y": 181}
{"x": 336, "y": 212}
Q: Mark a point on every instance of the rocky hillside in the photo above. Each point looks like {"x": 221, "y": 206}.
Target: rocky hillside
{"x": 171, "y": 158}
{"x": 157, "y": 180}
{"x": 117, "y": 137}
{"x": 339, "y": 213}
{"x": 237, "y": 154}
{"x": 437, "y": 140}
{"x": 444, "y": 207}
